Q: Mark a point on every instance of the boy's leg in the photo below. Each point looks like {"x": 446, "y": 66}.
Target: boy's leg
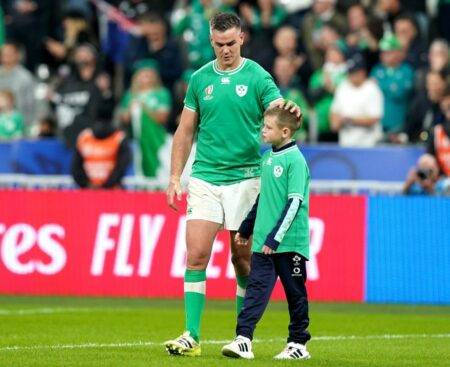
{"x": 260, "y": 285}
{"x": 291, "y": 268}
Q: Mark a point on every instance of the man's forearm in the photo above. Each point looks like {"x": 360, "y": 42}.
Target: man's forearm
{"x": 181, "y": 148}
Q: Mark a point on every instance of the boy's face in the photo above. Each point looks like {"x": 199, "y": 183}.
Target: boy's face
{"x": 272, "y": 133}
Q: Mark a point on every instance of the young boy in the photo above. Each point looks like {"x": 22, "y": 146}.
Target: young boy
{"x": 280, "y": 239}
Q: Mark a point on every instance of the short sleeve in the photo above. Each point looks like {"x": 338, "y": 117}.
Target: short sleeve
{"x": 126, "y": 100}
{"x": 297, "y": 179}
{"x": 269, "y": 92}
{"x": 191, "y": 99}
{"x": 164, "y": 100}
{"x": 375, "y": 107}
{"x": 336, "y": 104}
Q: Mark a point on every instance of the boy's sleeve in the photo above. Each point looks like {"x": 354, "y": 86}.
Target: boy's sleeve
{"x": 191, "y": 100}
{"x": 247, "y": 225}
{"x": 297, "y": 181}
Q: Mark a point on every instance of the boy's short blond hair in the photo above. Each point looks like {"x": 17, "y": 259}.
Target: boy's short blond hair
{"x": 284, "y": 118}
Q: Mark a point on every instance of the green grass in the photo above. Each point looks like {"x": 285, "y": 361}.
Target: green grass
{"x": 129, "y": 332}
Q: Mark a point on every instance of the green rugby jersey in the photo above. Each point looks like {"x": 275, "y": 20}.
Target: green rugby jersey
{"x": 230, "y": 105}
{"x": 284, "y": 180}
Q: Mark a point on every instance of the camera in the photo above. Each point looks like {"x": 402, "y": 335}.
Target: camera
{"x": 424, "y": 173}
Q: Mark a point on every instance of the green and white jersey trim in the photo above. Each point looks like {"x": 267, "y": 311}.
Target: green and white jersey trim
{"x": 229, "y": 72}
{"x": 289, "y": 217}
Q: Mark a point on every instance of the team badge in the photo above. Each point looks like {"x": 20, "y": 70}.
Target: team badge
{"x": 208, "y": 92}
{"x": 277, "y": 171}
{"x": 241, "y": 90}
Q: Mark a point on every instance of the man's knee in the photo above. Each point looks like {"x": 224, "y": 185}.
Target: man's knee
{"x": 241, "y": 263}
{"x": 197, "y": 259}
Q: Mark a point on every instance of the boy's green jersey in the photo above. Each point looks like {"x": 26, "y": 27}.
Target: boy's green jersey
{"x": 284, "y": 176}
{"x": 230, "y": 107}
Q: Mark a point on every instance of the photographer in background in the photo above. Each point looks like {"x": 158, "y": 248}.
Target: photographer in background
{"x": 424, "y": 178}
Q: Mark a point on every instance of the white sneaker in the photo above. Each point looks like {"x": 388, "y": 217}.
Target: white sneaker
{"x": 240, "y": 347}
{"x": 294, "y": 351}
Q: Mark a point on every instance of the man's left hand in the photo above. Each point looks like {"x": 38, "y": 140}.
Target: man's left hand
{"x": 288, "y": 105}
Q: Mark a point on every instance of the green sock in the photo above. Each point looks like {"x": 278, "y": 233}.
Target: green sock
{"x": 240, "y": 292}
{"x": 194, "y": 300}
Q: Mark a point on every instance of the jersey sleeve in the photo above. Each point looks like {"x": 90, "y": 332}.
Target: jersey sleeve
{"x": 297, "y": 179}
{"x": 164, "y": 100}
{"x": 191, "y": 99}
{"x": 268, "y": 91}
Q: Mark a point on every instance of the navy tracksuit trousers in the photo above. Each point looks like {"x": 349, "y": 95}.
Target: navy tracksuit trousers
{"x": 265, "y": 269}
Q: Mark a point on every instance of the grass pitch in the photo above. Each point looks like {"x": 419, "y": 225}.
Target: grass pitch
{"x": 41, "y": 331}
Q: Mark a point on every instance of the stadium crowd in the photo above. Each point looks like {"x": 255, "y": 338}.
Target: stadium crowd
{"x": 363, "y": 72}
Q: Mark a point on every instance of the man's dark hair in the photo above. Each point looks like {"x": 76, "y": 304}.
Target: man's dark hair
{"x": 285, "y": 118}
{"x": 223, "y": 21}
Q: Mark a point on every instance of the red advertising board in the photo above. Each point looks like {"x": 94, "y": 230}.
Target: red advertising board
{"x": 117, "y": 243}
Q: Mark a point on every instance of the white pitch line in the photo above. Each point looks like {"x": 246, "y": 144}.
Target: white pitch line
{"x": 140, "y": 344}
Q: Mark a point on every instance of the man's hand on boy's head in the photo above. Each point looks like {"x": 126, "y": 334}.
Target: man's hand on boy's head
{"x": 288, "y": 105}
{"x": 267, "y": 250}
{"x": 239, "y": 240}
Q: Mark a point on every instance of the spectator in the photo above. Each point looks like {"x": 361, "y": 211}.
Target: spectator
{"x": 439, "y": 139}
{"x": 77, "y": 97}
{"x": 363, "y": 34}
{"x": 424, "y": 109}
{"x": 19, "y": 80}
{"x": 438, "y": 60}
{"x": 424, "y": 179}
{"x": 284, "y": 71}
{"x": 47, "y": 127}
{"x": 11, "y": 121}
{"x": 396, "y": 80}
{"x": 29, "y": 22}
{"x": 322, "y": 87}
{"x": 323, "y": 13}
{"x": 285, "y": 42}
{"x": 357, "y": 122}
{"x": 101, "y": 156}
{"x": 296, "y": 10}
{"x": 157, "y": 45}
{"x": 146, "y": 107}
{"x": 407, "y": 31}
{"x": 387, "y": 11}
{"x": 76, "y": 31}
{"x": 193, "y": 24}
{"x": 267, "y": 15}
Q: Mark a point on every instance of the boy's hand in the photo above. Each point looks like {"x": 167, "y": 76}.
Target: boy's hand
{"x": 267, "y": 250}
{"x": 240, "y": 241}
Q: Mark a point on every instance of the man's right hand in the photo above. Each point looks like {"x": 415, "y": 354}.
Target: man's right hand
{"x": 240, "y": 241}
{"x": 173, "y": 192}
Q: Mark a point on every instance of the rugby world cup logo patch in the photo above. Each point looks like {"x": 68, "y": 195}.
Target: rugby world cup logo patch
{"x": 241, "y": 90}
{"x": 277, "y": 171}
{"x": 208, "y": 92}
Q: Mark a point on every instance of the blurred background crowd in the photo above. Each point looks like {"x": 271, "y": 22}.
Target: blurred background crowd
{"x": 111, "y": 72}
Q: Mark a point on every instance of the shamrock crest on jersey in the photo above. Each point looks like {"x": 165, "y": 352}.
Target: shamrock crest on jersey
{"x": 277, "y": 171}
{"x": 241, "y": 90}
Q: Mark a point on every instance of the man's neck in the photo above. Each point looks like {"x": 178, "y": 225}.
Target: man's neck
{"x": 235, "y": 64}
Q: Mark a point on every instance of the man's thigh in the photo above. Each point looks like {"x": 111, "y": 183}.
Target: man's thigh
{"x": 237, "y": 200}
{"x": 200, "y": 236}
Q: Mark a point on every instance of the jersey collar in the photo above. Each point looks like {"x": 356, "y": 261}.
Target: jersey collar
{"x": 284, "y": 147}
{"x": 229, "y": 72}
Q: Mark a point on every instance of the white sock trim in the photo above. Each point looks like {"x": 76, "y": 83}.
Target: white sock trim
{"x": 195, "y": 287}
{"x": 240, "y": 292}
